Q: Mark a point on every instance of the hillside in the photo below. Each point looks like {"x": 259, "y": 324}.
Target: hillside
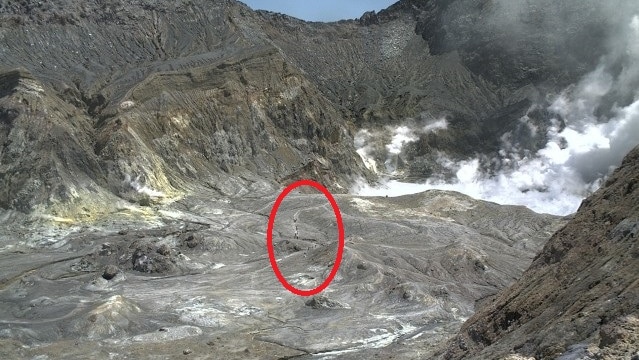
{"x": 159, "y": 98}
{"x": 580, "y": 296}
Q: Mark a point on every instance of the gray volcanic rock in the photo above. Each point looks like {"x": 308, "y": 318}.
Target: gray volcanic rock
{"x": 110, "y": 271}
{"x": 516, "y": 43}
{"x": 47, "y": 152}
{"x": 481, "y": 65}
{"x": 147, "y": 110}
{"x": 386, "y": 73}
{"x": 580, "y": 295}
{"x": 323, "y": 302}
{"x": 167, "y": 97}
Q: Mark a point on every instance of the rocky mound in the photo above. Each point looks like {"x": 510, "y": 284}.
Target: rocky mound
{"x": 580, "y": 296}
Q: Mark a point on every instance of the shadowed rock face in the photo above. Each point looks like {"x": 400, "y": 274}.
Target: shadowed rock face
{"x": 580, "y": 295}
{"x": 47, "y": 151}
{"x": 516, "y": 43}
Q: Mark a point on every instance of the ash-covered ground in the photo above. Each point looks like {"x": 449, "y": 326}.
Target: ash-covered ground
{"x": 194, "y": 277}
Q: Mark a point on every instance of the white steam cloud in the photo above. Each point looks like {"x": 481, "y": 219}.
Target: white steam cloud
{"x": 138, "y": 185}
{"x": 401, "y": 135}
{"x": 387, "y": 143}
{"x": 583, "y": 146}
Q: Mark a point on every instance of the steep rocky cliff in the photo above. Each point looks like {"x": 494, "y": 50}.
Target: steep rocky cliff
{"x": 161, "y": 97}
{"x": 148, "y": 101}
{"x": 580, "y": 296}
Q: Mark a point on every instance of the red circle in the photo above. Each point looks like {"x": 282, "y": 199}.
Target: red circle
{"x": 340, "y": 231}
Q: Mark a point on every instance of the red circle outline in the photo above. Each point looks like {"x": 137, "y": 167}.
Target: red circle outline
{"x": 340, "y": 245}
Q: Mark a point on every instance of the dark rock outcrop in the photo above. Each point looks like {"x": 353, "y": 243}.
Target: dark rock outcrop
{"x": 581, "y": 291}
{"x": 515, "y": 43}
{"x": 323, "y": 302}
{"x": 47, "y": 152}
{"x": 110, "y": 271}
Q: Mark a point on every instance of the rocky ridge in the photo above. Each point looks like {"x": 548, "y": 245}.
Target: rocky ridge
{"x": 225, "y": 111}
{"x": 579, "y": 298}
{"x": 165, "y": 97}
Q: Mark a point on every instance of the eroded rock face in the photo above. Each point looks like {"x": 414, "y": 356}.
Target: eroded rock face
{"x": 581, "y": 291}
{"x": 135, "y": 105}
{"x": 47, "y": 147}
{"x": 163, "y": 97}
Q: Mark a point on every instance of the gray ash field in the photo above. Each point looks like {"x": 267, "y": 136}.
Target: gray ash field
{"x": 195, "y": 275}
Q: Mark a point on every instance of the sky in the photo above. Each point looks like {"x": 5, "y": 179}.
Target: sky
{"x": 324, "y": 10}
